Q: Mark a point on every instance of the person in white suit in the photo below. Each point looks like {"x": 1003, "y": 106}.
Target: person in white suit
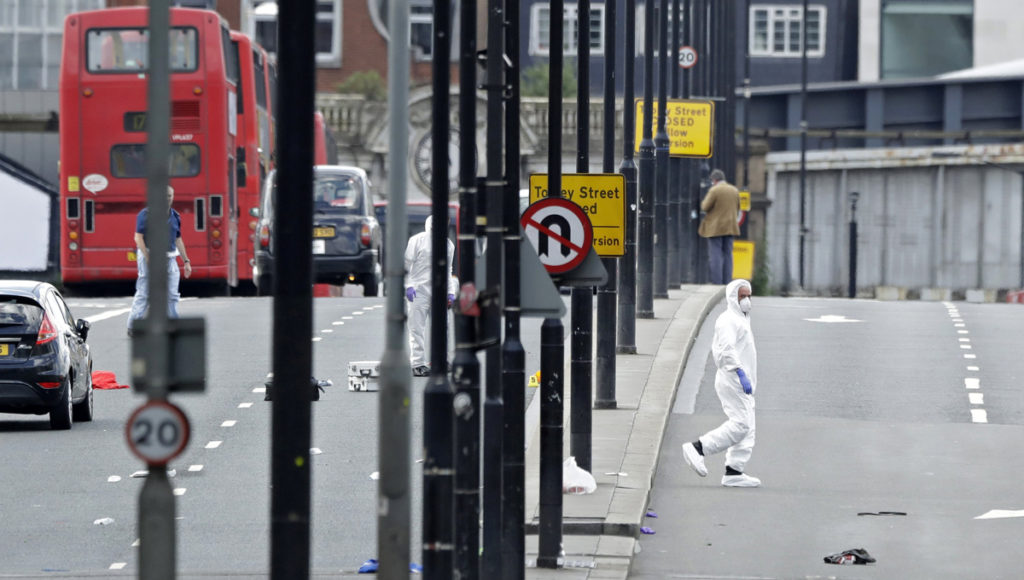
{"x": 417, "y": 291}
{"x": 735, "y": 357}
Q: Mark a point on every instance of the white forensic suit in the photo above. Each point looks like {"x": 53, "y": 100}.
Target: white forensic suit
{"x": 733, "y": 348}
{"x": 418, "y": 268}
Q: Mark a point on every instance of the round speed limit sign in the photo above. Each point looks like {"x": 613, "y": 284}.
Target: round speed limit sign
{"x": 687, "y": 56}
{"x": 157, "y": 432}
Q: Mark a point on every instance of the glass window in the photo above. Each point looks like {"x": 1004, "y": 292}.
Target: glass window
{"x": 53, "y": 48}
{"x": 8, "y": 9}
{"x": 129, "y": 161}
{"x": 641, "y": 22}
{"x": 259, "y": 75}
{"x": 778, "y": 30}
{"x": 540, "y": 29}
{"x": 30, "y": 13}
{"x": 926, "y": 37}
{"x": 119, "y": 50}
{"x": 263, "y": 27}
{"x": 6, "y": 60}
{"x": 30, "y": 61}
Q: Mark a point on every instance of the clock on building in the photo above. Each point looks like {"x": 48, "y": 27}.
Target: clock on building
{"x": 423, "y": 162}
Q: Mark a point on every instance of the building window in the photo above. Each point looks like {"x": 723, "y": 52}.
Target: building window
{"x": 641, "y": 20}
{"x": 262, "y": 26}
{"x": 775, "y": 30}
{"x": 540, "y": 29}
{"x": 924, "y": 38}
{"x": 30, "y": 41}
{"x": 421, "y": 29}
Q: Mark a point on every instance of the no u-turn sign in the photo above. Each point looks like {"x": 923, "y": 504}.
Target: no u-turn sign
{"x": 559, "y": 231}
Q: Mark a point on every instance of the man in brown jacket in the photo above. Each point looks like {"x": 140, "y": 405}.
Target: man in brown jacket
{"x": 720, "y": 225}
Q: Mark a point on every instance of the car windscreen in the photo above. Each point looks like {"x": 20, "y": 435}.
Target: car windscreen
{"x": 19, "y": 315}
{"x": 338, "y": 193}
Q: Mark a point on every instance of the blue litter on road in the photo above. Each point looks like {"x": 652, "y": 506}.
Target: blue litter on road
{"x": 651, "y": 514}
{"x": 370, "y": 567}
{"x": 646, "y": 530}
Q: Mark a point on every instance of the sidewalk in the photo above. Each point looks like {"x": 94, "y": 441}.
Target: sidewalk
{"x": 600, "y": 530}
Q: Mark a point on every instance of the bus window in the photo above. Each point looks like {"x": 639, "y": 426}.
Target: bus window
{"x": 129, "y": 161}
{"x": 120, "y": 50}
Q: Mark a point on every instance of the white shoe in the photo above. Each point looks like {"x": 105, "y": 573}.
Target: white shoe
{"x": 694, "y": 459}
{"x": 741, "y": 480}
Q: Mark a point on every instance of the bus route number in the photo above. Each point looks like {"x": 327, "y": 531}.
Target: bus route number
{"x": 157, "y": 432}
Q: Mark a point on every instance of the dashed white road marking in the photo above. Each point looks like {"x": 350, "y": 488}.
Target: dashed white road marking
{"x": 971, "y": 356}
{"x": 973, "y": 368}
{"x": 346, "y": 318}
{"x": 979, "y": 416}
{"x": 963, "y": 332}
{"x": 327, "y": 330}
{"x": 960, "y": 325}
{"x": 965, "y": 346}
{"x": 136, "y": 543}
{"x": 114, "y": 479}
{"x": 107, "y": 314}
{"x": 317, "y": 338}
{"x": 358, "y": 313}
{"x": 976, "y": 398}
{"x": 247, "y": 405}
{"x": 260, "y": 390}
{"x": 964, "y": 339}
{"x": 118, "y": 566}
{"x": 972, "y": 383}
{"x": 998, "y": 514}
{"x": 229, "y": 423}
{"x": 337, "y": 323}
{"x": 195, "y": 467}
{"x": 180, "y": 491}
{"x": 213, "y": 444}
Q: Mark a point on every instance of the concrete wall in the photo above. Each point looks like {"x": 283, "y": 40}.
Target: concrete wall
{"x": 36, "y": 151}
{"x": 924, "y": 221}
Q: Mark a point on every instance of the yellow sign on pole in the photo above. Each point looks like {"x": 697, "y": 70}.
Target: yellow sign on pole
{"x": 743, "y": 259}
{"x": 602, "y": 196}
{"x": 690, "y": 126}
{"x": 744, "y": 200}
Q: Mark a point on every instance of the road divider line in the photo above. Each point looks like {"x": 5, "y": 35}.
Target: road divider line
{"x": 976, "y": 398}
{"x": 180, "y": 491}
{"x": 979, "y": 416}
{"x": 106, "y": 315}
{"x": 246, "y": 405}
{"x": 973, "y": 368}
{"x": 195, "y": 467}
{"x": 229, "y": 423}
{"x": 118, "y": 566}
{"x": 972, "y": 383}
{"x": 213, "y": 444}
{"x": 970, "y": 356}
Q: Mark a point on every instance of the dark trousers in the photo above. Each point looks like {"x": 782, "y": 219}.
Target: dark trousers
{"x": 720, "y": 259}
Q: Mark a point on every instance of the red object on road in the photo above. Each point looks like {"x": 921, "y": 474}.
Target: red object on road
{"x": 106, "y": 380}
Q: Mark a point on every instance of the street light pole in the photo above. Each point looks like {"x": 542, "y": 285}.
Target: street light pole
{"x": 661, "y": 166}
{"x": 606, "y": 295}
{"x": 645, "y": 247}
{"x": 626, "y": 333}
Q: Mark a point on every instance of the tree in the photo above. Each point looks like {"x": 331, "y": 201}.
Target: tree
{"x": 535, "y": 80}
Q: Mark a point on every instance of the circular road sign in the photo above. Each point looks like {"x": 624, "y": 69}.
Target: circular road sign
{"x": 157, "y": 432}
{"x": 559, "y": 231}
{"x": 687, "y": 56}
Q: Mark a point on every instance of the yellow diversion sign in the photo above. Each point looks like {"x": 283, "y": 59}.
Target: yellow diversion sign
{"x": 602, "y": 197}
{"x": 690, "y": 126}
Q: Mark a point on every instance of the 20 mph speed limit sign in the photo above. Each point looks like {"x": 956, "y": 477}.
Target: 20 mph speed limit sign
{"x": 687, "y": 56}
{"x": 560, "y": 232}
{"x": 157, "y": 432}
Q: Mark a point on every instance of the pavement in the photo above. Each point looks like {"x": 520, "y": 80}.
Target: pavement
{"x": 600, "y": 530}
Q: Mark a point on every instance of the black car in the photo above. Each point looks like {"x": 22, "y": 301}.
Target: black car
{"x": 45, "y": 364}
{"x": 346, "y": 236}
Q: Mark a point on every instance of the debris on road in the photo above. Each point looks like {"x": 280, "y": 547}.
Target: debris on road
{"x": 851, "y": 556}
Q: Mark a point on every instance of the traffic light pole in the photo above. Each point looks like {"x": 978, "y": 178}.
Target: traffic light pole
{"x": 607, "y": 294}
{"x": 438, "y": 425}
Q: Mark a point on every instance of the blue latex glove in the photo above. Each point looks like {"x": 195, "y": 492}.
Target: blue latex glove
{"x": 410, "y": 294}
{"x": 745, "y": 381}
{"x": 451, "y": 299}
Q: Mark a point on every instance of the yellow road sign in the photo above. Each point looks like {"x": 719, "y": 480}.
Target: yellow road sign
{"x": 690, "y": 126}
{"x": 744, "y": 200}
{"x": 602, "y": 197}
{"x": 743, "y": 259}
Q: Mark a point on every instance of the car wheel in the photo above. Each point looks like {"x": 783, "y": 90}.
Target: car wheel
{"x": 60, "y": 416}
{"x": 83, "y": 410}
{"x": 371, "y": 286}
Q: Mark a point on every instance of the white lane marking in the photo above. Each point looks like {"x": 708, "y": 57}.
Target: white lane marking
{"x": 972, "y": 383}
{"x": 180, "y": 491}
{"x": 246, "y": 405}
{"x": 327, "y": 330}
{"x": 337, "y": 323}
{"x": 260, "y": 390}
{"x": 118, "y": 566}
{"x": 963, "y": 332}
{"x": 961, "y": 325}
{"x": 358, "y": 313}
{"x": 979, "y": 416}
{"x": 346, "y": 318}
{"x": 195, "y": 467}
{"x": 965, "y": 346}
{"x": 114, "y": 479}
{"x": 228, "y": 423}
{"x": 976, "y": 398}
{"x": 832, "y": 319}
{"x": 958, "y": 320}
{"x": 973, "y": 368}
{"x": 213, "y": 444}
{"x": 106, "y": 315}
{"x": 970, "y": 356}
{"x": 136, "y": 543}
{"x": 998, "y": 514}
{"x": 964, "y": 339}
{"x": 317, "y": 338}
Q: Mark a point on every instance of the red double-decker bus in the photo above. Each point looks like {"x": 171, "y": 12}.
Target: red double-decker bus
{"x": 254, "y": 141}
{"x": 103, "y": 134}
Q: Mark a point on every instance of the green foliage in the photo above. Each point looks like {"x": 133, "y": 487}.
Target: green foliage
{"x": 535, "y": 80}
{"x": 368, "y": 83}
{"x": 761, "y": 284}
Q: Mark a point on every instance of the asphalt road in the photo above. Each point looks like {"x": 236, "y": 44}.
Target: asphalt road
{"x": 58, "y": 486}
{"x": 863, "y": 407}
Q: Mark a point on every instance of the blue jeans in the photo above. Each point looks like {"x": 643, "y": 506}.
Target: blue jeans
{"x": 140, "y": 303}
{"x": 720, "y": 259}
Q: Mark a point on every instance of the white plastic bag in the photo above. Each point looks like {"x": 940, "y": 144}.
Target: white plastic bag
{"x": 575, "y": 480}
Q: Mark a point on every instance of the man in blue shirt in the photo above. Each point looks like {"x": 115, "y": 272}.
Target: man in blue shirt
{"x": 140, "y": 303}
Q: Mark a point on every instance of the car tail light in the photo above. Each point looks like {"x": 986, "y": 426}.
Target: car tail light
{"x": 364, "y": 234}
{"x": 49, "y": 385}
{"x": 47, "y": 331}
{"x": 265, "y": 236}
